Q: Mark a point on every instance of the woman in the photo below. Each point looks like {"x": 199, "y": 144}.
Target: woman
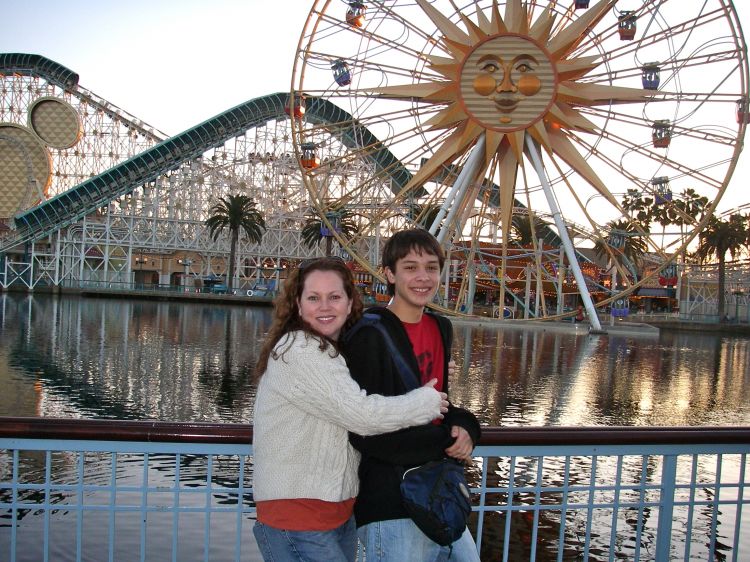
{"x": 579, "y": 314}
{"x": 305, "y": 471}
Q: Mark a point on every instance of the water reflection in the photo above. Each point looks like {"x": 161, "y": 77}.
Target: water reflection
{"x": 130, "y": 359}
{"x": 548, "y": 377}
{"x": 63, "y": 492}
{"x": 101, "y": 358}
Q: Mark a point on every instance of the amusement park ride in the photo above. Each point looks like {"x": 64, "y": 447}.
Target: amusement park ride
{"x": 466, "y": 118}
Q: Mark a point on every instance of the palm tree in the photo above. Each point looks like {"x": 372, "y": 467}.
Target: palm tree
{"x": 526, "y": 227}
{"x": 315, "y": 230}
{"x": 718, "y": 238}
{"x": 640, "y": 206}
{"x": 424, "y": 214}
{"x": 236, "y": 212}
{"x": 690, "y": 207}
{"x": 625, "y": 243}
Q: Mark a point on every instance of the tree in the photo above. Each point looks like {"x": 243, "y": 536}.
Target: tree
{"x": 424, "y": 215}
{"x": 639, "y": 206}
{"x": 315, "y": 230}
{"x": 690, "y": 207}
{"x": 525, "y": 227}
{"x": 716, "y": 239}
{"x": 625, "y": 243}
{"x": 236, "y": 212}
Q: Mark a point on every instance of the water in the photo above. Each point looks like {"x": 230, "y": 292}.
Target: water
{"x": 123, "y": 359}
{"x": 175, "y": 361}
{"x": 548, "y": 377}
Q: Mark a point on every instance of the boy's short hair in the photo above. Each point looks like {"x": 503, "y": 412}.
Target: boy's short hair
{"x": 403, "y": 242}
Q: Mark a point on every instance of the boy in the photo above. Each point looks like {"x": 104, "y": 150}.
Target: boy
{"x": 412, "y": 261}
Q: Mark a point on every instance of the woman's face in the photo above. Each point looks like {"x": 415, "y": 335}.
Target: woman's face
{"x": 324, "y": 304}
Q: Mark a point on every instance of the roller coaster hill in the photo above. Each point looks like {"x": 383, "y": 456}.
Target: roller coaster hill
{"x": 92, "y": 197}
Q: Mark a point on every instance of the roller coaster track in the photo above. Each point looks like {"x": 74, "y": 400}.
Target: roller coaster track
{"x": 81, "y": 200}
{"x": 72, "y": 205}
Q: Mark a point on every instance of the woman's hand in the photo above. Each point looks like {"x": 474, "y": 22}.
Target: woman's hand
{"x": 443, "y": 397}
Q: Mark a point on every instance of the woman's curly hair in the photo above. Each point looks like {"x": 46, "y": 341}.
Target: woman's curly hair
{"x": 287, "y": 318}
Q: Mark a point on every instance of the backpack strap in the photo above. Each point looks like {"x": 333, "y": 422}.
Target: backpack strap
{"x": 408, "y": 376}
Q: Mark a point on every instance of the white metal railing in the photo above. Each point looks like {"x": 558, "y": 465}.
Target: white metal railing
{"x": 182, "y": 492}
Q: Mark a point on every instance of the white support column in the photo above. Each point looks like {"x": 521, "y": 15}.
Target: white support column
{"x": 539, "y": 302}
{"x": 446, "y": 280}
{"x": 527, "y": 294}
{"x": 458, "y": 191}
{"x": 58, "y": 258}
{"x": 563, "y": 233}
{"x": 82, "y": 252}
{"x": 560, "y": 280}
{"x": 32, "y": 258}
{"x": 472, "y": 288}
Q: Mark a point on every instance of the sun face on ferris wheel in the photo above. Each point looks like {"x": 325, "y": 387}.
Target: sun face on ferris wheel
{"x": 507, "y": 83}
{"x": 499, "y": 79}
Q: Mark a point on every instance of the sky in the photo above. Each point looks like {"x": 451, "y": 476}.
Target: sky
{"x": 171, "y": 64}
{"x": 175, "y": 64}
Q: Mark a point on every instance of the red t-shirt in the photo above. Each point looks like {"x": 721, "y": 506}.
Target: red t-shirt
{"x": 428, "y": 348}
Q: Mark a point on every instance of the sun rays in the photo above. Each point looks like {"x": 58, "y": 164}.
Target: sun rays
{"x": 504, "y": 76}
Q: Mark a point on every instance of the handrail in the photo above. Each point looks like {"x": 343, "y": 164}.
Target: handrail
{"x": 27, "y": 63}
{"x": 205, "y": 432}
{"x": 675, "y": 491}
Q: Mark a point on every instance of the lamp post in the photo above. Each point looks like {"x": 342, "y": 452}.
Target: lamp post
{"x": 138, "y": 279}
{"x": 186, "y": 263}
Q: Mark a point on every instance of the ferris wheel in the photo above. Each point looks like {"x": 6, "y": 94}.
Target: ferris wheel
{"x": 478, "y": 119}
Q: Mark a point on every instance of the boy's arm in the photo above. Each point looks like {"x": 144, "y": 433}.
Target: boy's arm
{"x": 463, "y": 418}
{"x": 414, "y": 445}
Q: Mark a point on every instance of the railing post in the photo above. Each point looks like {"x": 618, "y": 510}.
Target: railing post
{"x": 666, "y": 507}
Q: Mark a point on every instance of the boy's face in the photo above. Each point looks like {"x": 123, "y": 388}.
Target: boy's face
{"x": 416, "y": 279}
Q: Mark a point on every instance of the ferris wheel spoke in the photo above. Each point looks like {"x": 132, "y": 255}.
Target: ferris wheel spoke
{"x": 612, "y": 166}
{"x": 710, "y": 134}
{"x": 406, "y": 41}
{"x": 652, "y": 9}
{"x": 595, "y": 227}
{"x": 402, "y": 32}
{"x": 634, "y": 69}
{"x": 661, "y": 159}
{"x": 365, "y": 67}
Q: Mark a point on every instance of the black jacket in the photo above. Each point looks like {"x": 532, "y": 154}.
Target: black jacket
{"x": 374, "y": 370}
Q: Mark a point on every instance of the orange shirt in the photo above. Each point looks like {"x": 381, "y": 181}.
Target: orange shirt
{"x": 304, "y": 514}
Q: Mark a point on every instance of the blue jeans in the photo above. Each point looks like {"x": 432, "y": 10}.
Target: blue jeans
{"x": 400, "y": 540}
{"x": 278, "y": 545}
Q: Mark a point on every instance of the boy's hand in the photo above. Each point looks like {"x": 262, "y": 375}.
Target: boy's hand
{"x": 451, "y": 368}
{"x": 463, "y": 446}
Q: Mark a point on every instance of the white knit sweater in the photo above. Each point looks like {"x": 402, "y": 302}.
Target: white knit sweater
{"x": 305, "y": 405}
